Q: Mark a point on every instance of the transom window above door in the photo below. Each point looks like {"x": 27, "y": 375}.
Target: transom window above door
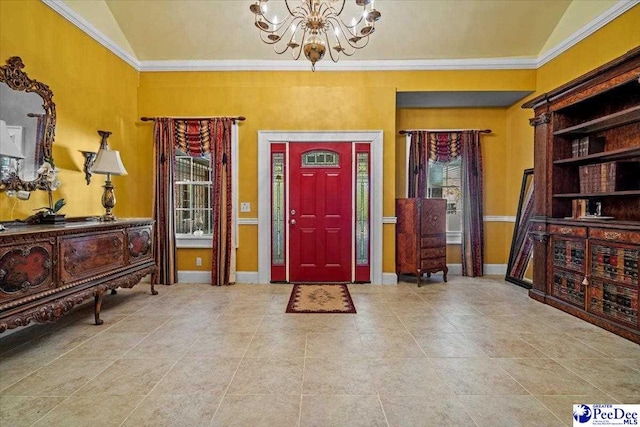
{"x": 320, "y": 159}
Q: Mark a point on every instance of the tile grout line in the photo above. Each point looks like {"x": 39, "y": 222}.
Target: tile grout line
{"x": 304, "y": 368}
{"x": 160, "y": 380}
{"x": 236, "y": 371}
{"x": 90, "y": 379}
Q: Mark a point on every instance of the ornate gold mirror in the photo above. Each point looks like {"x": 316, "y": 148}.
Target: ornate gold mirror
{"x": 27, "y": 129}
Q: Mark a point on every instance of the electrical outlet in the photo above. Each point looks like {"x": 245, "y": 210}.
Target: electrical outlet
{"x": 198, "y": 261}
{"x": 245, "y": 207}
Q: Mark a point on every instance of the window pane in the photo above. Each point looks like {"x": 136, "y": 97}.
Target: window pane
{"x": 444, "y": 182}
{"x": 320, "y": 158}
{"x": 362, "y": 209}
{"x": 277, "y": 213}
{"x": 193, "y": 194}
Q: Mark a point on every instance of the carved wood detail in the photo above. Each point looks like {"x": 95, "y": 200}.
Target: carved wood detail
{"x": 94, "y": 257}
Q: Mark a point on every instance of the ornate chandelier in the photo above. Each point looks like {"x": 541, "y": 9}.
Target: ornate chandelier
{"x": 314, "y": 26}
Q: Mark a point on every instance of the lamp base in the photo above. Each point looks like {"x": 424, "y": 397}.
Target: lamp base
{"x": 108, "y": 200}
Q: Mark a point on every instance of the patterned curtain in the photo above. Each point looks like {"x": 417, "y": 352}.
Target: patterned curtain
{"x": 472, "y": 204}
{"x": 213, "y": 136}
{"x": 418, "y": 166}
{"x": 445, "y": 147}
{"x": 164, "y": 241}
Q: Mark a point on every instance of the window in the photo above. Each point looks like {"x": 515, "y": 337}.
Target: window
{"x": 193, "y": 199}
{"x": 444, "y": 182}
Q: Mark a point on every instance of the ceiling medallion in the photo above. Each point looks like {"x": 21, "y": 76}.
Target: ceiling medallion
{"x": 314, "y": 26}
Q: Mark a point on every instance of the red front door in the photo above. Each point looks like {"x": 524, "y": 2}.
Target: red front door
{"x": 320, "y": 219}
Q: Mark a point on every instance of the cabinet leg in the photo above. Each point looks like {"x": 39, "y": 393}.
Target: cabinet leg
{"x": 153, "y": 290}
{"x": 113, "y": 292}
{"x": 445, "y": 270}
{"x": 419, "y": 277}
{"x": 97, "y": 307}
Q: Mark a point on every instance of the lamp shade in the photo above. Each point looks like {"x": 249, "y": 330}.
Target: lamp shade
{"x": 108, "y": 162}
{"x": 8, "y": 147}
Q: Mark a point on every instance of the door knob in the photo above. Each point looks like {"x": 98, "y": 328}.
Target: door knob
{"x": 293, "y": 222}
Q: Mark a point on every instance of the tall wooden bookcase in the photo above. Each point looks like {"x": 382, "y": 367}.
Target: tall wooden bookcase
{"x": 586, "y": 232}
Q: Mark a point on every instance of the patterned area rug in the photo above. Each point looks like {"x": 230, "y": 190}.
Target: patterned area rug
{"x": 314, "y": 298}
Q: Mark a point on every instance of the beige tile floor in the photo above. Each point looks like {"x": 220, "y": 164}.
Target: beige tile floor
{"x": 471, "y": 352}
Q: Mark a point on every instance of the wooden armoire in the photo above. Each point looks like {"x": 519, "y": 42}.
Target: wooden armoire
{"x": 421, "y": 237}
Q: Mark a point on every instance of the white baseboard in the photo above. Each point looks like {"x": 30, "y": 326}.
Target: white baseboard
{"x": 489, "y": 269}
{"x": 194, "y": 276}
{"x": 387, "y": 278}
{"x": 247, "y": 277}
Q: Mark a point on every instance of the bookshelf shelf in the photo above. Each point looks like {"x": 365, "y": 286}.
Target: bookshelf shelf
{"x": 596, "y": 195}
{"x": 620, "y": 154}
{"x": 620, "y": 118}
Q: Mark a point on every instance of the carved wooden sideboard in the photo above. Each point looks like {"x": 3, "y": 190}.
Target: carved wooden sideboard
{"x": 46, "y": 270}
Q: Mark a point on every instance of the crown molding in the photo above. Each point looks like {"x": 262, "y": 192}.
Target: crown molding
{"x": 600, "y": 21}
{"x": 70, "y": 15}
{"x": 348, "y": 65}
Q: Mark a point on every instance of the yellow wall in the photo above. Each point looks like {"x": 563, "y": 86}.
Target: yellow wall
{"x": 92, "y": 89}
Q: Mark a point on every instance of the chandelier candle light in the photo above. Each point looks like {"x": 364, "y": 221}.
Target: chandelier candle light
{"x": 313, "y": 26}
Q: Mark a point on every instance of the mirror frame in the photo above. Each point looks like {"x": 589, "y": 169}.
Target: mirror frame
{"x": 521, "y": 229}
{"x": 14, "y": 77}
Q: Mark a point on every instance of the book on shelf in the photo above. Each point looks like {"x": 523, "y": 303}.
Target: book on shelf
{"x": 579, "y": 208}
{"x": 587, "y": 145}
{"x": 609, "y": 176}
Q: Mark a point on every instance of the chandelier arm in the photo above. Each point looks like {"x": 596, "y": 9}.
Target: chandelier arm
{"x": 288, "y": 45}
{"x": 330, "y": 48}
{"x": 341, "y": 7}
{"x": 335, "y": 22}
{"x": 286, "y": 3}
{"x": 276, "y": 26}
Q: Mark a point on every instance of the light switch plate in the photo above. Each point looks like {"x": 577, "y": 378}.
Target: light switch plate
{"x": 245, "y": 207}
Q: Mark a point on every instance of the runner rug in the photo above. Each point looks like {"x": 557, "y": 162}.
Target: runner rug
{"x": 321, "y": 298}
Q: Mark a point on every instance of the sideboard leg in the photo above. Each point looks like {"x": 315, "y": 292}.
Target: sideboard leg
{"x": 113, "y": 292}
{"x": 97, "y": 307}
{"x": 419, "y": 277}
{"x": 153, "y": 290}
{"x": 445, "y": 270}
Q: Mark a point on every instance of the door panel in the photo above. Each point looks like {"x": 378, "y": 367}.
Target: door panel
{"x": 320, "y": 220}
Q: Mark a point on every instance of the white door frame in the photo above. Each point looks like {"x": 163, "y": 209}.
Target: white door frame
{"x": 266, "y": 138}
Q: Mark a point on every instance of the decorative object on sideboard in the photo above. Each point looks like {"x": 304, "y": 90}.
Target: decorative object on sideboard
{"x": 29, "y": 113}
{"x": 314, "y": 26}
{"x": 89, "y": 158}
{"x": 108, "y": 162}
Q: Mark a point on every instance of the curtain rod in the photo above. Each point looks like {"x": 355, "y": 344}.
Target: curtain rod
{"x": 410, "y": 131}
{"x": 234, "y": 118}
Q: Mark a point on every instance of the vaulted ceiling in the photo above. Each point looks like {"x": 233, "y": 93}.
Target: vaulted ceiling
{"x": 409, "y": 30}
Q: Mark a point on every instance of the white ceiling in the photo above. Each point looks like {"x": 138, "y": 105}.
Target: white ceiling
{"x": 409, "y": 30}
